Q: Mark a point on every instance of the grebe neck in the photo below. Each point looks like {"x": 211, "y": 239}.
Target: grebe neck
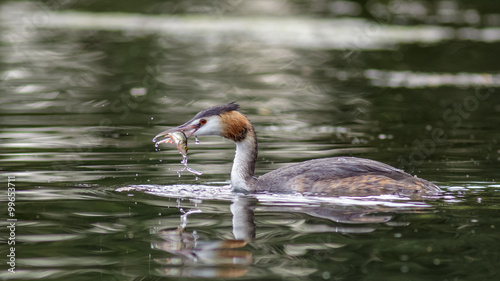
{"x": 242, "y": 173}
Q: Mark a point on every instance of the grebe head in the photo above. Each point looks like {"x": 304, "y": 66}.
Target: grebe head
{"x": 220, "y": 120}
{"x": 225, "y": 121}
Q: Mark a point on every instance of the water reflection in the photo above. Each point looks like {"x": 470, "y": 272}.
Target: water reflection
{"x": 267, "y": 235}
{"x": 83, "y": 93}
{"x": 195, "y": 256}
{"x": 218, "y": 258}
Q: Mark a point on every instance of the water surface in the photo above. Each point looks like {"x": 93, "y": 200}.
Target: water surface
{"x": 84, "y": 89}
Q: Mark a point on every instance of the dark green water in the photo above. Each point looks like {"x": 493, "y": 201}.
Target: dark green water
{"x": 84, "y": 89}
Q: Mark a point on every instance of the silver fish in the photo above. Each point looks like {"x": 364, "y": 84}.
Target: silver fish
{"x": 177, "y": 138}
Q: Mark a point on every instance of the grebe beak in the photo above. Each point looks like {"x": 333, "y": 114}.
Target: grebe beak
{"x": 188, "y": 131}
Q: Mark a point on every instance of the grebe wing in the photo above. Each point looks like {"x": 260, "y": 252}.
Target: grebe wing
{"x": 344, "y": 176}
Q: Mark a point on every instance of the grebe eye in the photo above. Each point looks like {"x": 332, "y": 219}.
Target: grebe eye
{"x": 203, "y": 121}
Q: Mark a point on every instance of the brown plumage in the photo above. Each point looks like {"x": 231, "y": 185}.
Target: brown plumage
{"x": 345, "y": 176}
{"x": 235, "y": 126}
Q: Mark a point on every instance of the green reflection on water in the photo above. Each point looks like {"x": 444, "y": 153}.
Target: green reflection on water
{"x": 79, "y": 109}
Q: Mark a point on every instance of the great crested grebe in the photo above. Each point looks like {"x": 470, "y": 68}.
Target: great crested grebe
{"x": 337, "y": 176}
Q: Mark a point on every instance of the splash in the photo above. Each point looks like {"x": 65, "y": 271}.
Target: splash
{"x": 180, "y": 140}
{"x": 185, "y": 215}
{"x": 187, "y": 168}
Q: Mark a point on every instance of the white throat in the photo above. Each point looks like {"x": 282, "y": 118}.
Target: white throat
{"x": 242, "y": 173}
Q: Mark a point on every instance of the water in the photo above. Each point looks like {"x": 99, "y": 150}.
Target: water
{"x": 413, "y": 84}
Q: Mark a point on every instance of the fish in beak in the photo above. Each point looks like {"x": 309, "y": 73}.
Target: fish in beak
{"x": 179, "y": 139}
{"x": 187, "y": 129}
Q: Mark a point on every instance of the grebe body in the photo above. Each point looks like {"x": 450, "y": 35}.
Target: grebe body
{"x": 345, "y": 176}
{"x": 337, "y": 176}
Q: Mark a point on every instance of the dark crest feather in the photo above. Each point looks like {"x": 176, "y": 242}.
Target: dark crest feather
{"x": 217, "y": 110}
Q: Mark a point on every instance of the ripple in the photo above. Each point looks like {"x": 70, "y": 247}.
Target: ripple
{"x": 67, "y": 261}
{"x": 307, "y": 33}
{"x": 224, "y": 193}
{"x": 183, "y": 191}
{"x": 48, "y": 237}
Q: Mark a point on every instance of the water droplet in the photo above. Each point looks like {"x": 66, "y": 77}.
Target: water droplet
{"x": 152, "y": 117}
{"x": 194, "y": 171}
